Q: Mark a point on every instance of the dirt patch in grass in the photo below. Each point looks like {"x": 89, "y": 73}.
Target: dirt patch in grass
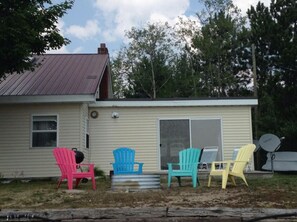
{"x": 276, "y": 192}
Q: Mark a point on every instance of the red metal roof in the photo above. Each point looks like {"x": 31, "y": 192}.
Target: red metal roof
{"x": 58, "y": 74}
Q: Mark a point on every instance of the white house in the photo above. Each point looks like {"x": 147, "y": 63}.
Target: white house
{"x": 67, "y": 102}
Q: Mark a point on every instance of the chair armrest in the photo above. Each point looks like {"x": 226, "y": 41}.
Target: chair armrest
{"x": 126, "y": 167}
{"x": 195, "y": 165}
{"x": 90, "y": 165}
{"x": 173, "y": 164}
{"x": 227, "y": 163}
{"x": 139, "y": 167}
{"x": 138, "y": 163}
{"x": 170, "y": 165}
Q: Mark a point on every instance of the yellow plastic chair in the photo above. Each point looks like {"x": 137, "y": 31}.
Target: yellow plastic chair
{"x": 232, "y": 168}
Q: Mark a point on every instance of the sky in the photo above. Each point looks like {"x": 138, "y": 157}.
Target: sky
{"x": 91, "y": 22}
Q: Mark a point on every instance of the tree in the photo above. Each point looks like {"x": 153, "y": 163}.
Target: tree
{"x": 222, "y": 51}
{"x": 212, "y": 7}
{"x": 185, "y": 82}
{"x": 145, "y": 65}
{"x": 28, "y": 27}
{"x": 274, "y": 31}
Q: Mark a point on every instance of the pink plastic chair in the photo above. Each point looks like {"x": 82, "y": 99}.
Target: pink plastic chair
{"x": 69, "y": 168}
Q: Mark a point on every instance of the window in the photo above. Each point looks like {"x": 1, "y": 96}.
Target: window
{"x": 44, "y": 131}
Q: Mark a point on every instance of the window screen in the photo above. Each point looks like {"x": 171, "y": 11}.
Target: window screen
{"x": 44, "y": 131}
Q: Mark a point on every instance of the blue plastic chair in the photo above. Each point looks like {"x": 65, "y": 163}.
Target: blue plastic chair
{"x": 188, "y": 166}
{"x": 124, "y": 162}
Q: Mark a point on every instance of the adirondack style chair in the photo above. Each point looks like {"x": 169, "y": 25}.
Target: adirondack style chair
{"x": 187, "y": 166}
{"x": 70, "y": 170}
{"x": 124, "y": 162}
{"x": 232, "y": 168}
{"x": 209, "y": 154}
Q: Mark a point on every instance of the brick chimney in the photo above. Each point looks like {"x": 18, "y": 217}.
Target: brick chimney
{"x": 102, "y": 49}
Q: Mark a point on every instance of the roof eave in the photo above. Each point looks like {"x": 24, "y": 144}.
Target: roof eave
{"x": 177, "y": 103}
{"x": 47, "y": 99}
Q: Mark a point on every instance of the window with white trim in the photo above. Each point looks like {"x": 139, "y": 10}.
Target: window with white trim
{"x": 44, "y": 131}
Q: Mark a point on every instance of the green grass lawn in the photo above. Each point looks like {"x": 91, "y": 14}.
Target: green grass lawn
{"x": 280, "y": 191}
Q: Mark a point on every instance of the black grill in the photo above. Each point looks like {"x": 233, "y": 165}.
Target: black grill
{"x": 79, "y": 156}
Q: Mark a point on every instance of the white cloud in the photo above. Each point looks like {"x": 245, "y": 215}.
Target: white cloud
{"x": 129, "y": 13}
{"x": 109, "y": 35}
{"x": 90, "y": 30}
{"x": 246, "y": 4}
{"x": 107, "y": 20}
{"x": 63, "y": 49}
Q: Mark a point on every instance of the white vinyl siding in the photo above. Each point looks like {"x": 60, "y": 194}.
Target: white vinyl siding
{"x": 17, "y": 159}
{"x": 137, "y": 127}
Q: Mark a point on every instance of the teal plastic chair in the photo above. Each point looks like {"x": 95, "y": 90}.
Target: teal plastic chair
{"x": 124, "y": 162}
{"x": 187, "y": 166}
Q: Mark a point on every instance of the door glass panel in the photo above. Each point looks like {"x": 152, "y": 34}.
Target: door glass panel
{"x": 174, "y": 137}
{"x": 205, "y": 133}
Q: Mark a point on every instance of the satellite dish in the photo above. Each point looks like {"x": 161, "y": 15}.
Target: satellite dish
{"x": 269, "y": 142}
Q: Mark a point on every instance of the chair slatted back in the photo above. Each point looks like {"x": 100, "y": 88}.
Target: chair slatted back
{"x": 65, "y": 159}
{"x": 124, "y": 159}
{"x": 243, "y": 156}
{"x": 188, "y": 158}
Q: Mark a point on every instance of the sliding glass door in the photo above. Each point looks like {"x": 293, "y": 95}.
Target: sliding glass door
{"x": 178, "y": 134}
